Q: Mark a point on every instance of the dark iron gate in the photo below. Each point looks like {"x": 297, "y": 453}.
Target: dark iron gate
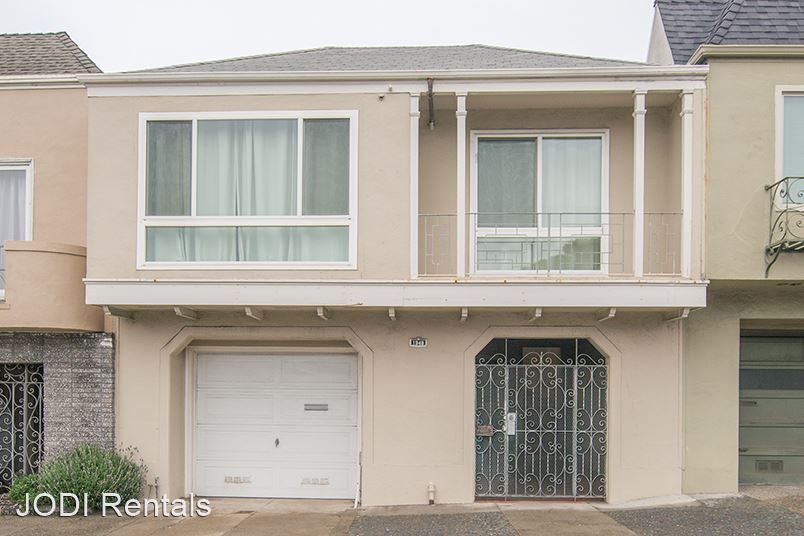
{"x": 20, "y": 420}
{"x": 541, "y": 416}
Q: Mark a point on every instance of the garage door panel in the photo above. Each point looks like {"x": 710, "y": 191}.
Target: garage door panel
{"x": 318, "y": 407}
{"x": 222, "y": 442}
{"x": 316, "y": 372}
{"x": 245, "y": 403}
{"x": 778, "y": 410}
{"x": 226, "y": 407}
{"x": 236, "y": 370}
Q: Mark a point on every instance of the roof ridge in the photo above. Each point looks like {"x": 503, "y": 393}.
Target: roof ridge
{"x": 29, "y": 33}
{"x": 375, "y": 47}
{"x": 724, "y": 21}
{"x": 561, "y": 54}
{"x": 78, "y": 53}
{"x": 236, "y": 58}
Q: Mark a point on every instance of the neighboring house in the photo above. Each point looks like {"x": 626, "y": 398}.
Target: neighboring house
{"x": 744, "y": 354}
{"x": 400, "y": 274}
{"x": 56, "y": 365}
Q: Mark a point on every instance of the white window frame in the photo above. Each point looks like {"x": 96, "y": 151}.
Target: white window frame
{"x": 781, "y": 93}
{"x": 26, "y": 165}
{"x": 349, "y": 221}
{"x": 592, "y": 232}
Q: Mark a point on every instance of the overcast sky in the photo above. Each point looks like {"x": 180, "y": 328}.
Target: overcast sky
{"x": 132, "y": 34}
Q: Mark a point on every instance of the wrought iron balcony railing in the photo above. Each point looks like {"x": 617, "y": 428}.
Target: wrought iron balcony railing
{"x": 550, "y": 243}
{"x": 786, "y": 219}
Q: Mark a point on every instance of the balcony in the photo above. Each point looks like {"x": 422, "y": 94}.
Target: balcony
{"x": 41, "y": 288}
{"x": 786, "y": 219}
{"x": 551, "y": 244}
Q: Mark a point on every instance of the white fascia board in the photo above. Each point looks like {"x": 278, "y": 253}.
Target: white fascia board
{"x": 664, "y": 78}
{"x": 40, "y": 81}
{"x": 625, "y": 294}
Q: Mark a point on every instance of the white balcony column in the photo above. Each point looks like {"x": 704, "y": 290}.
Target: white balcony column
{"x": 460, "y": 223}
{"x": 414, "y": 186}
{"x": 639, "y": 182}
{"x": 687, "y": 111}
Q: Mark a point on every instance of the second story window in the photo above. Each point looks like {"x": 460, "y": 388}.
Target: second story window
{"x": 15, "y": 210}
{"x": 259, "y": 189}
{"x": 539, "y": 202}
{"x": 793, "y": 151}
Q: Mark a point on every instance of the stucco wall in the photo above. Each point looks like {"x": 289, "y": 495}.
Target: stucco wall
{"x": 50, "y": 126}
{"x": 383, "y": 181}
{"x": 742, "y": 143}
{"x": 430, "y": 436}
{"x": 711, "y": 374}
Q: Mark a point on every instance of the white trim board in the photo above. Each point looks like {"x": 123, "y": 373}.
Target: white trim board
{"x": 624, "y": 294}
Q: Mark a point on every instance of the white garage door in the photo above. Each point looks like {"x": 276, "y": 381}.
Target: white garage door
{"x": 276, "y": 426}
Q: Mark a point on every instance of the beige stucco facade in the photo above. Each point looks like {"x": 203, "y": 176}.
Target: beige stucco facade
{"x": 46, "y": 127}
{"x": 742, "y": 142}
{"x": 417, "y": 405}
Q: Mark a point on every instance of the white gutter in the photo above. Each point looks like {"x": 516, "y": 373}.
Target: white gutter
{"x": 647, "y": 72}
{"x": 40, "y": 80}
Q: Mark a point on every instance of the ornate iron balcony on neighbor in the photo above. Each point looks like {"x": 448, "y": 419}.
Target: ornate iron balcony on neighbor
{"x": 786, "y": 219}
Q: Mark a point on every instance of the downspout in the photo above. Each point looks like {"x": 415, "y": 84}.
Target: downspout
{"x": 431, "y": 111}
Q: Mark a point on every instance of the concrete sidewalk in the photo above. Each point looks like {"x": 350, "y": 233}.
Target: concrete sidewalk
{"x": 771, "y": 511}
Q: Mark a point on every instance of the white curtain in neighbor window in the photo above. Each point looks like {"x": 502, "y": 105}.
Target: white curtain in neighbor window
{"x": 248, "y": 244}
{"x": 325, "y": 175}
{"x": 247, "y": 167}
{"x": 506, "y": 182}
{"x": 572, "y": 180}
{"x": 12, "y": 211}
{"x": 169, "y": 155}
{"x": 794, "y": 146}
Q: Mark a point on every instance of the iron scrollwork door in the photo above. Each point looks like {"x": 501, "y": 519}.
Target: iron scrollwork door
{"x": 21, "y": 433}
{"x": 540, "y": 419}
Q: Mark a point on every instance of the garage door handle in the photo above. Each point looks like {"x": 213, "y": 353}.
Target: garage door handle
{"x": 276, "y": 442}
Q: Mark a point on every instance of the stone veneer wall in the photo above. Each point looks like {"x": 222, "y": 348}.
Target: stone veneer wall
{"x": 78, "y": 384}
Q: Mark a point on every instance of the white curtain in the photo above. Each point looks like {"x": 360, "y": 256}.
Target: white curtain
{"x": 168, "y": 170}
{"x": 12, "y": 211}
{"x": 572, "y": 180}
{"x": 794, "y": 147}
{"x": 326, "y": 167}
{"x": 506, "y": 182}
{"x": 247, "y": 168}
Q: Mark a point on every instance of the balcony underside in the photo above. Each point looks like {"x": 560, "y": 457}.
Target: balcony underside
{"x": 428, "y": 294}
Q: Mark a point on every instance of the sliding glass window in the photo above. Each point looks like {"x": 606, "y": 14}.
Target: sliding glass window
{"x": 273, "y": 190}
{"x": 539, "y": 202}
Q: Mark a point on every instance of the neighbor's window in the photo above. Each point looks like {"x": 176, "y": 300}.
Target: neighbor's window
{"x": 793, "y": 149}
{"x": 539, "y": 203}
{"x": 248, "y": 190}
{"x": 14, "y": 207}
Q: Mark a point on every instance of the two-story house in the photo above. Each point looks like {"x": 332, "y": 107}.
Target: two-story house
{"x": 56, "y": 364}
{"x": 744, "y": 354}
{"x": 400, "y": 275}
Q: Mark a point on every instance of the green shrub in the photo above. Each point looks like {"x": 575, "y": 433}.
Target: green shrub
{"x": 92, "y": 470}
{"x": 23, "y": 486}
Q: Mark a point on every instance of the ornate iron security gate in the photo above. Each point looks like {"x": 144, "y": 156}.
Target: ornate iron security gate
{"x": 20, "y": 420}
{"x": 540, "y": 419}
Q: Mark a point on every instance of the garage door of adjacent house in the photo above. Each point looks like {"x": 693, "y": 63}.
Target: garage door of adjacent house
{"x": 275, "y": 426}
{"x": 772, "y": 409}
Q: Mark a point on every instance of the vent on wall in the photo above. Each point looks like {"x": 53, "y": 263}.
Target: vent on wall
{"x": 769, "y": 466}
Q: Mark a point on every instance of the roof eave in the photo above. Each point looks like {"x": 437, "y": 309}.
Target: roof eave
{"x": 695, "y": 72}
{"x": 706, "y": 52}
{"x": 40, "y": 80}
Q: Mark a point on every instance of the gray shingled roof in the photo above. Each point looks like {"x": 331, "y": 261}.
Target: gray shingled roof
{"x": 691, "y": 23}
{"x": 42, "y": 53}
{"x": 425, "y": 58}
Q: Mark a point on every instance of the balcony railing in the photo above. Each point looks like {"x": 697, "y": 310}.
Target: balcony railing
{"x": 550, "y": 244}
{"x": 786, "y": 219}
{"x": 2, "y": 270}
